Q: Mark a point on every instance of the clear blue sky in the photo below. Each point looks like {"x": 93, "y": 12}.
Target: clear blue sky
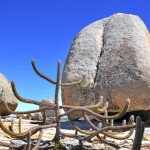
{"x": 44, "y": 30}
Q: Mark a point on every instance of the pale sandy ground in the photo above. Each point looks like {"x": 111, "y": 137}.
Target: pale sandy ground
{"x": 49, "y": 133}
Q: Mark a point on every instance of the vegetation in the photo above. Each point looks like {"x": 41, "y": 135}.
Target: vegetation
{"x": 104, "y": 129}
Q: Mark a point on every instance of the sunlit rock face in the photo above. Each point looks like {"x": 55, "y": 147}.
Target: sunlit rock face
{"x": 6, "y": 95}
{"x": 113, "y": 54}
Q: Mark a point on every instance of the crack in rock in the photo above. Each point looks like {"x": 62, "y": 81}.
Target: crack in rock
{"x": 102, "y": 50}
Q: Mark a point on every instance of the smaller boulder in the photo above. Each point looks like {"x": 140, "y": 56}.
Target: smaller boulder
{"x": 50, "y": 114}
{"x": 6, "y": 95}
{"x": 22, "y": 116}
{"x": 35, "y": 116}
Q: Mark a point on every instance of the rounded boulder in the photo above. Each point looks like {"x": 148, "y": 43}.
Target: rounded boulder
{"x": 113, "y": 55}
{"x": 6, "y": 95}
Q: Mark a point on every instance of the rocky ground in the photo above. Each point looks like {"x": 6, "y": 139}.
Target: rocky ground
{"x": 49, "y": 133}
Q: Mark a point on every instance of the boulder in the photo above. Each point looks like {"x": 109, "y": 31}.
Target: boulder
{"x": 6, "y": 95}
{"x": 50, "y": 114}
{"x": 35, "y": 116}
{"x": 22, "y": 116}
{"x": 113, "y": 55}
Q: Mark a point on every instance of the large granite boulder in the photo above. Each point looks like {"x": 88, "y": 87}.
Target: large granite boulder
{"x": 114, "y": 56}
{"x": 6, "y": 95}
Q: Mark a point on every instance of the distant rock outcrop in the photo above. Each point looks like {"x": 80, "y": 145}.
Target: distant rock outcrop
{"x": 50, "y": 114}
{"x": 114, "y": 56}
{"x": 22, "y": 116}
{"x": 35, "y": 116}
{"x": 6, "y": 95}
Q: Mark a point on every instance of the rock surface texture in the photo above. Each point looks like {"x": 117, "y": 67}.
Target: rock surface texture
{"x": 6, "y": 95}
{"x": 114, "y": 56}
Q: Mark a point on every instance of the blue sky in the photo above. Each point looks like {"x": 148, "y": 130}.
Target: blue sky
{"x": 44, "y": 30}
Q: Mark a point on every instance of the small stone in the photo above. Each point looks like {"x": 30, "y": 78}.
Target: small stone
{"x": 18, "y": 142}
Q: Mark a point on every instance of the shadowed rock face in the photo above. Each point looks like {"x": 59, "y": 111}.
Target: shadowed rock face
{"x": 114, "y": 56}
{"x": 6, "y": 94}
